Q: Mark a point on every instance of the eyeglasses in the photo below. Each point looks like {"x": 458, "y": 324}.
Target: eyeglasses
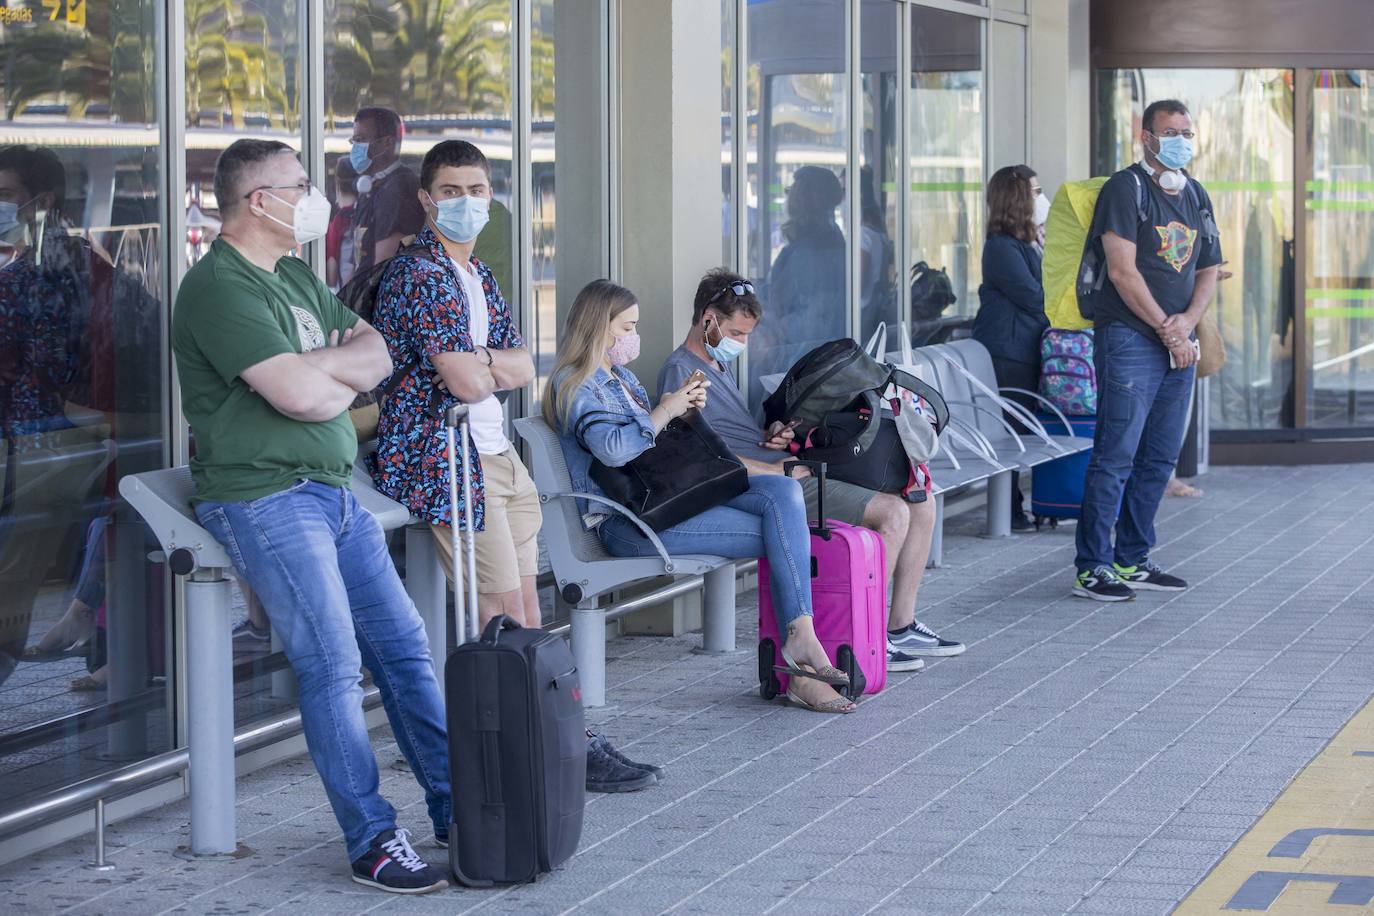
{"x": 1170, "y": 133}
{"x": 304, "y": 187}
{"x": 739, "y": 289}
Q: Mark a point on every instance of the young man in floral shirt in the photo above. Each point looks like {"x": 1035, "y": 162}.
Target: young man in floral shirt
{"x": 451, "y": 334}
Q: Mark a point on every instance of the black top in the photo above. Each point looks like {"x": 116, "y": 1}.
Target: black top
{"x": 1171, "y": 243}
{"x": 392, "y": 205}
{"x": 1011, "y": 312}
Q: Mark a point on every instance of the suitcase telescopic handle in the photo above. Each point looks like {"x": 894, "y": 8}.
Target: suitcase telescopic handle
{"x": 817, "y": 469}
{"x": 457, "y": 434}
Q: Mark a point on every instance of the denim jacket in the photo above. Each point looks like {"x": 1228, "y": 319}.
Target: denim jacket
{"x": 603, "y": 423}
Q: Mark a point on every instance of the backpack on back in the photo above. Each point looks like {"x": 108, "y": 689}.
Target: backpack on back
{"x": 1068, "y": 376}
{"x": 359, "y": 296}
{"x": 1066, "y": 232}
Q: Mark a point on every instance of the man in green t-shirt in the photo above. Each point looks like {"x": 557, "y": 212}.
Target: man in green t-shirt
{"x": 269, "y": 361}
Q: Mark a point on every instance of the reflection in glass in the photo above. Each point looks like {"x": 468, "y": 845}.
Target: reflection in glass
{"x": 1244, "y": 122}
{"x": 83, "y": 648}
{"x": 1340, "y": 250}
{"x": 879, "y": 172}
{"x": 431, "y": 70}
{"x": 946, "y": 148}
{"x": 243, "y": 79}
{"x": 798, "y": 243}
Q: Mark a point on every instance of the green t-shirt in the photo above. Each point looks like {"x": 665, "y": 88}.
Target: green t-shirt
{"x": 231, "y": 314}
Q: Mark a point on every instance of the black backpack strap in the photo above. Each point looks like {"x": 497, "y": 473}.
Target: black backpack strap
{"x": 903, "y": 379}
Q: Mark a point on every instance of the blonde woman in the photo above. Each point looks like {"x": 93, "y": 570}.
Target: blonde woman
{"x": 601, "y": 411}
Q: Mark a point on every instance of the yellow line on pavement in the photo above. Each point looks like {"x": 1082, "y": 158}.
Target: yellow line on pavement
{"x": 1313, "y": 850}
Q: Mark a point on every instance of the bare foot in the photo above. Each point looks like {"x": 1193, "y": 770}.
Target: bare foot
{"x": 821, "y": 697}
{"x": 1176, "y": 487}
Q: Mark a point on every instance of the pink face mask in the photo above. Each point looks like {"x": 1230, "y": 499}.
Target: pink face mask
{"x": 624, "y": 350}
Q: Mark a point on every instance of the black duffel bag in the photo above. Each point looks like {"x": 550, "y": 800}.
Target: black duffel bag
{"x": 688, "y": 470}
{"x": 884, "y": 465}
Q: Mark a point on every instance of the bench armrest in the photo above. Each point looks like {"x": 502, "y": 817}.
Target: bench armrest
{"x": 967, "y": 435}
{"x": 668, "y": 565}
{"x": 1048, "y": 403}
{"x": 1020, "y": 446}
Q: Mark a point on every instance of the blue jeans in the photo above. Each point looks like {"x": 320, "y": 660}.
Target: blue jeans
{"x": 319, "y": 563}
{"x": 768, "y": 520}
{"x": 1142, "y": 414}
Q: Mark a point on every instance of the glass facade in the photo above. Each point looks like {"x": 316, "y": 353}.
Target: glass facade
{"x": 85, "y": 636}
{"x": 1339, "y": 287}
{"x": 1244, "y": 157}
{"x": 903, "y": 105}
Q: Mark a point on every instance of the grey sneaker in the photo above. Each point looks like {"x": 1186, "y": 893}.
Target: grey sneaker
{"x": 897, "y": 660}
{"x": 919, "y": 639}
{"x": 606, "y": 773}
{"x": 1146, "y": 576}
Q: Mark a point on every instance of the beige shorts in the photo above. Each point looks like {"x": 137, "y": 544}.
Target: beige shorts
{"x": 508, "y": 548}
{"x": 844, "y": 502}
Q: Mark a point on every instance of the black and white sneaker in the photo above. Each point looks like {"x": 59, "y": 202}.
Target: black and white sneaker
{"x": 919, "y": 639}
{"x": 1149, "y": 577}
{"x": 393, "y": 865}
{"x": 897, "y": 660}
{"x": 1101, "y": 583}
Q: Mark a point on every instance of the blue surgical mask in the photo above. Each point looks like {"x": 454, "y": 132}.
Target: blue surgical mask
{"x": 727, "y": 350}
{"x": 1174, "y": 152}
{"x": 358, "y": 158}
{"x": 461, "y": 219}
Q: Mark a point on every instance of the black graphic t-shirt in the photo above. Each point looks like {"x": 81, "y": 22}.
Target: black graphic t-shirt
{"x": 1171, "y": 243}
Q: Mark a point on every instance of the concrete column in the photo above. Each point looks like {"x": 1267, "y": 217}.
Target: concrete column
{"x": 669, "y": 142}
{"x": 1059, "y": 101}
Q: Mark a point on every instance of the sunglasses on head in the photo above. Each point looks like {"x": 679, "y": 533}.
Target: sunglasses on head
{"x": 739, "y": 289}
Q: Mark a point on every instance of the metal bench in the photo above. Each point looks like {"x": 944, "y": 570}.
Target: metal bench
{"x": 163, "y": 499}
{"x": 584, "y": 570}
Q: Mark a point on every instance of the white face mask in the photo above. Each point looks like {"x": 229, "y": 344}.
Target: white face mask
{"x": 1042, "y": 209}
{"x": 310, "y": 221}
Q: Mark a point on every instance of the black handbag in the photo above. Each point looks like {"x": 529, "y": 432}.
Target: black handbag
{"x": 884, "y": 465}
{"x": 688, "y": 470}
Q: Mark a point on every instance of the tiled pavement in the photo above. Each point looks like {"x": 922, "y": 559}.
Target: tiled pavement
{"x": 1080, "y": 757}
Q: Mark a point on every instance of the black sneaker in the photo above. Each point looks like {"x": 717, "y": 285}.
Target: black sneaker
{"x": 658, "y": 772}
{"x": 1102, "y": 584}
{"x": 897, "y": 660}
{"x": 606, "y": 773}
{"x": 1022, "y": 522}
{"x": 392, "y": 865}
{"x": 1149, "y": 577}
{"x": 441, "y": 838}
{"x": 919, "y": 639}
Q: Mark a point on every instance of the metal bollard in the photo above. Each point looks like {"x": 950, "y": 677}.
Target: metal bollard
{"x": 100, "y": 863}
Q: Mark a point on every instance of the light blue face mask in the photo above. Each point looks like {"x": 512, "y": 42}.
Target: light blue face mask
{"x": 1174, "y": 152}
{"x": 358, "y": 158}
{"x": 727, "y": 350}
{"x": 461, "y": 219}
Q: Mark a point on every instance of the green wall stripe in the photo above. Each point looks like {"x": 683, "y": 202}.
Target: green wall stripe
{"x": 1340, "y": 294}
{"x": 1340, "y": 186}
{"x": 1347, "y": 206}
{"x": 1337, "y": 311}
{"x": 1248, "y": 185}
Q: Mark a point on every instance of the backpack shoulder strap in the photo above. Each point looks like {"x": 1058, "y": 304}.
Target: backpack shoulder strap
{"x": 1140, "y": 196}
{"x": 903, "y": 379}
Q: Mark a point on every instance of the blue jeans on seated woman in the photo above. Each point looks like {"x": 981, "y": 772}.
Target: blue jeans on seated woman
{"x": 319, "y": 563}
{"x": 767, "y": 520}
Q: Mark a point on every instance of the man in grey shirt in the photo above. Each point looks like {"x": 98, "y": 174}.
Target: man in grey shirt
{"x": 724, "y": 314}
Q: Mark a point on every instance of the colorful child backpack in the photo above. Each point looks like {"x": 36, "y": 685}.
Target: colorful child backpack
{"x": 1068, "y": 377}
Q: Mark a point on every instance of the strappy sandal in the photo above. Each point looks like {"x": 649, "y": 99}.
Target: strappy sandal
{"x": 826, "y": 674}
{"x": 837, "y": 705}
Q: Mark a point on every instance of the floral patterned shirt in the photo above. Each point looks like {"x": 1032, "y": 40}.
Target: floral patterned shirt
{"x": 422, "y": 311}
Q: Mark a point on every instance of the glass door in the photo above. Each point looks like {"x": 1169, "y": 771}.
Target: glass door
{"x": 1339, "y": 282}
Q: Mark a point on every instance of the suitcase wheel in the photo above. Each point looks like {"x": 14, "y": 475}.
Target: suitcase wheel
{"x": 848, "y": 662}
{"x": 769, "y": 685}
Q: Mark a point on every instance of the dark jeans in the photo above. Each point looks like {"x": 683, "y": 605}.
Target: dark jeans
{"x": 1013, "y": 373}
{"x": 1142, "y": 411}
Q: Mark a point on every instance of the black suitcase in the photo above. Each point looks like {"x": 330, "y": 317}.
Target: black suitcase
{"x": 516, "y": 730}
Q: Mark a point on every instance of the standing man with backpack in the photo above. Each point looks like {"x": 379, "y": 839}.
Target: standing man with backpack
{"x": 1154, "y": 233}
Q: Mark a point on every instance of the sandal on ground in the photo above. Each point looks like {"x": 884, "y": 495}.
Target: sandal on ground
{"x": 87, "y": 684}
{"x": 826, "y": 674}
{"x": 837, "y": 705}
{"x": 1176, "y": 487}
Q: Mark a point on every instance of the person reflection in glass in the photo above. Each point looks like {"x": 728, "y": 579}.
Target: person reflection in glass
{"x": 50, "y": 420}
{"x": 388, "y": 207}
{"x": 806, "y": 285}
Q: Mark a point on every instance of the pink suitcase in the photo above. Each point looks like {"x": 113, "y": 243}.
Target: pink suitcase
{"x": 849, "y": 599}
